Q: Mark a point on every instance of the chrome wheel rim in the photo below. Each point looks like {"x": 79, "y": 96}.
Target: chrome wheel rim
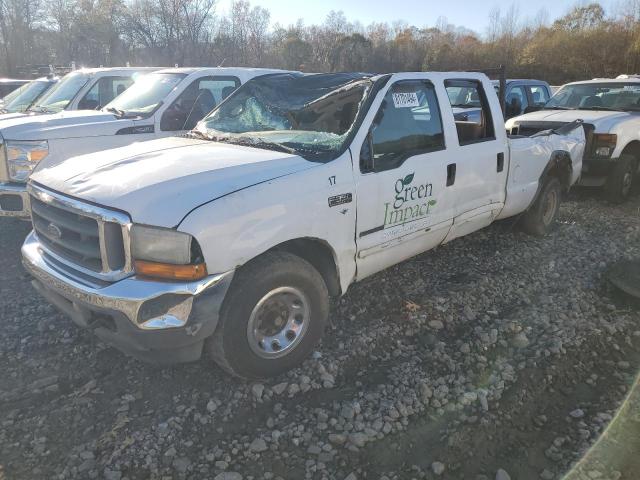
{"x": 627, "y": 180}
{"x": 550, "y": 207}
{"x": 278, "y": 322}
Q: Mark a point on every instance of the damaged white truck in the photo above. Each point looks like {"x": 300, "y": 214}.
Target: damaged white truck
{"x": 234, "y": 238}
{"x": 610, "y": 109}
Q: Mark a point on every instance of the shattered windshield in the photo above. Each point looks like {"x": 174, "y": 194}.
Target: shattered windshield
{"x": 310, "y": 115}
{"x": 145, "y": 95}
{"x": 59, "y": 97}
{"x": 623, "y": 96}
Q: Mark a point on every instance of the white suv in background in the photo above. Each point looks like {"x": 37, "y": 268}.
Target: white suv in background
{"x": 160, "y": 104}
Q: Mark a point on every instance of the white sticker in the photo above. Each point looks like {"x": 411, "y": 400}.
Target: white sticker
{"x": 405, "y": 100}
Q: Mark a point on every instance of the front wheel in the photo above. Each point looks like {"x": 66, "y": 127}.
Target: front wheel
{"x": 539, "y": 219}
{"x": 272, "y": 318}
{"x": 620, "y": 180}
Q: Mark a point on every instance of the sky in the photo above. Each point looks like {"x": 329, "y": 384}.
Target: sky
{"x": 472, "y": 14}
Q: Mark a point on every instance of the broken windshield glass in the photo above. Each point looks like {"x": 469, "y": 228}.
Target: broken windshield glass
{"x": 310, "y": 115}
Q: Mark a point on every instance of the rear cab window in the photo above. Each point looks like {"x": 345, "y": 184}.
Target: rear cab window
{"x": 471, "y": 111}
{"x": 408, "y": 123}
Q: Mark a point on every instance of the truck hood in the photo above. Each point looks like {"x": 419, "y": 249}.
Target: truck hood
{"x": 71, "y": 124}
{"x": 602, "y": 120}
{"x": 160, "y": 181}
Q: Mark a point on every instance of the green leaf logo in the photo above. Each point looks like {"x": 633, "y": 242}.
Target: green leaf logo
{"x": 432, "y": 202}
{"x": 408, "y": 179}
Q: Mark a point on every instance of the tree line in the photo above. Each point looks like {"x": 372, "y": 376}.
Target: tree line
{"x": 586, "y": 42}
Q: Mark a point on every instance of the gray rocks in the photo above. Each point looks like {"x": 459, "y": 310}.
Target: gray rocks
{"x": 502, "y": 475}
{"x": 438, "y": 468}
{"x": 258, "y": 445}
{"x": 228, "y": 476}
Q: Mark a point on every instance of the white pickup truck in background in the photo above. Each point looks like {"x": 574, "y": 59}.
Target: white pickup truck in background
{"x": 610, "y": 109}
{"x": 159, "y": 104}
{"x": 23, "y": 98}
{"x": 84, "y": 89}
{"x": 235, "y": 237}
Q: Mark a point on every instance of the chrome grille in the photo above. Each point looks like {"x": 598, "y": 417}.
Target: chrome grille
{"x": 86, "y": 238}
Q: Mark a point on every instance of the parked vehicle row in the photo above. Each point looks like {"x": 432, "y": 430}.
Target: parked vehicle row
{"x": 159, "y": 104}
{"x": 204, "y": 241}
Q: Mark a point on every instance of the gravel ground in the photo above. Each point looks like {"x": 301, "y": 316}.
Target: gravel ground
{"x": 496, "y": 356}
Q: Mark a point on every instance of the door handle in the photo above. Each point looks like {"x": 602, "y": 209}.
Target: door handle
{"x": 500, "y": 162}
{"x": 451, "y": 174}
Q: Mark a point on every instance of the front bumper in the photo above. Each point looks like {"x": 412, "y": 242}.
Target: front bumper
{"x": 14, "y": 200}
{"x": 158, "y": 322}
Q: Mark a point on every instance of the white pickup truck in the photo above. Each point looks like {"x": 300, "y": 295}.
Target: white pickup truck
{"x": 235, "y": 237}
{"x": 610, "y": 109}
{"x": 159, "y": 104}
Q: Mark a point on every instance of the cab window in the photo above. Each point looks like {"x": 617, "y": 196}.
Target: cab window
{"x": 471, "y": 111}
{"x": 103, "y": 91}
{"x": 196, "y": 101}
{"x": 516, "y": 101}
{"x": 408, "y": 123}
{"x": 539, "y": 95}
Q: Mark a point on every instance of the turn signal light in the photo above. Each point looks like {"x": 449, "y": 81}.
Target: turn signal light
{"x": 168, "y": 271}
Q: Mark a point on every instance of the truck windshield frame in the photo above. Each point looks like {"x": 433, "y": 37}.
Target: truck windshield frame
{"x": 283, "y": 112}
{"x": 60, "y": 96}
{"x": 605, "y": 96}
{"x": 146, "y": 95}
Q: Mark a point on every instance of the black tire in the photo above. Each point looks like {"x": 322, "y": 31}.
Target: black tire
{"x": 620, "y": 180}
{"x": 542, "y": 215}
{"x": 230, "y": 344}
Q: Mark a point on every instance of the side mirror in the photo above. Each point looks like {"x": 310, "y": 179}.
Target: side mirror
{"x": 366, "y": 154}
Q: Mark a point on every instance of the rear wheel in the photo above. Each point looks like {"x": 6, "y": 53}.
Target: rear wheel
{"x": 272, "y": 318}
{"x": 621, "y": 179}
{"x": 540, "y": 218}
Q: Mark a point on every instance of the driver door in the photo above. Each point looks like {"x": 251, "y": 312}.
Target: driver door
{"x": 406, "y": 179}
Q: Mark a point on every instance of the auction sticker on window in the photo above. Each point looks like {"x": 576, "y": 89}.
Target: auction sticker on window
{"x": 405, "y": 100}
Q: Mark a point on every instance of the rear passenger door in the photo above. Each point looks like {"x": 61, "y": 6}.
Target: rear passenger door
{"x": 480, "y": 164}
{"x": 196, "y": 101}
{"x": 404, "y": 205}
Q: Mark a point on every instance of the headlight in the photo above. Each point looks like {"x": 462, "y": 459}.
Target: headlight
{"x": 166, "y": 253}
{"x": 23, "y": 156}
{"x": 604, "y": 144}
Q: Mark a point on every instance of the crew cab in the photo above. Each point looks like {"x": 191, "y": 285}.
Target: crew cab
{"x": 234, "y": 237}
{"x": 159, "y": 104}
{"x": 610, "y": 109}
{"x": 21, "y": 99}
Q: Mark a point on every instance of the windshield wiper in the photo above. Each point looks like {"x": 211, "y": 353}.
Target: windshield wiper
{"x": 557, "y": 107}
{"x": 116, "y": 111}
{"x": 461, "y": 105}
{"x": 260, "y": 143}
{"x": 606, "y": 109}
{"x": 40, "y": 109}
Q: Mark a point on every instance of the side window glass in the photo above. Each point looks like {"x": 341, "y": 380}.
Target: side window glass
{"x": 103, "y": 91}
{"x": 516, "y": 101}
{"x": 539, "y": 95}
{"x": 408, "y": 123}
{"x": 471, "y": 111}
{"x": 196, "y": 101}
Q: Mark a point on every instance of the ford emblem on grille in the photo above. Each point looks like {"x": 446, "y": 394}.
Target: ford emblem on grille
{"x": 54, "y": 230}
